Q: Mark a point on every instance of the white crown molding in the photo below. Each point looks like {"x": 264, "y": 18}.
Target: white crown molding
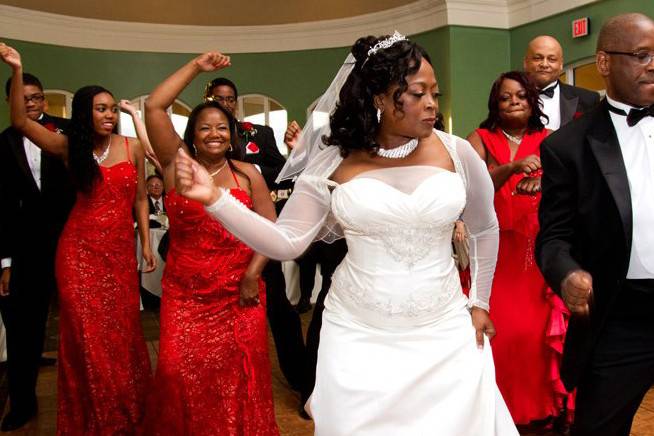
{"x": 526, "y": 11}
{"x": 480, "y": 13}
{"x": 415, "y": 17}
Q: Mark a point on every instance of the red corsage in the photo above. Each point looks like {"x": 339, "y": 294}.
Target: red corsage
{"x": 577, "y": 115}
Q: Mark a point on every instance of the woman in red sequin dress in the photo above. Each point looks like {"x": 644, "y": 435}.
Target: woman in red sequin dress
{"x": 213, "y": 375}
{"x": 530, "y": 319}
{"x": 104, "y": 369}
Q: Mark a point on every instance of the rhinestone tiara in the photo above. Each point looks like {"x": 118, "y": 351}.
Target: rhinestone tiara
{"x": 386, "y": 43}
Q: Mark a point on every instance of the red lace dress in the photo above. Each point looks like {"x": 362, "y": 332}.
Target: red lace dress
{"x": 529, "y": 318}
{"x": 104, "y": 369}
{"x": 213, "y": 375}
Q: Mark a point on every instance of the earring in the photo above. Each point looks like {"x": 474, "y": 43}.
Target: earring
{"x": 379, "y": 114}
{"x": 231, "y": 148}
{"x": 195, "y": 150}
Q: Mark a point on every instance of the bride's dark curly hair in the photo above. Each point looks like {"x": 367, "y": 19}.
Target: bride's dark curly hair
{"x": 84, "y": 170}
{"x": 353, "y": 123}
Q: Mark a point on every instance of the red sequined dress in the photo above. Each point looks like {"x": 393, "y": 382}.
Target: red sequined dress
{"x": 104, "y": 369}
{"x": 530, "y": 319}
{"x": 213, "y": 374}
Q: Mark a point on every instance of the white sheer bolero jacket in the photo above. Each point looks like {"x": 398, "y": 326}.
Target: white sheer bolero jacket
{"x": 307, "y": 214}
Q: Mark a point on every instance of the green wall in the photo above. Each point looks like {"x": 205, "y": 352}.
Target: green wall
{"x": 466, "y": 59}
{"x": 478, "y": 56}
{"x": 292, "y": 78}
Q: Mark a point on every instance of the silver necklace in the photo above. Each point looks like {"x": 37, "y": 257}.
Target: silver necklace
{"x": 398, "y": 152}
{"x": 515, "y": 139}
{"x": 105, "y": 153}
{"x": 218, "y": 170}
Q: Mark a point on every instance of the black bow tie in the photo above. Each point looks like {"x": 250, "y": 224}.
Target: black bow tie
{"x": 549, "y": 92}
{"x": 634, "y": 115}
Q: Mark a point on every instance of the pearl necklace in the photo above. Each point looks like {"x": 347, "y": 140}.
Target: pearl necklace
{"x": 105, "y": 153}
{"x": 515, "y": 139}
{"x": 398, "y": 152}
{"x": 218, "y": 170}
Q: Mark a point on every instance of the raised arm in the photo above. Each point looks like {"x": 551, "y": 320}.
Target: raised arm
{"x": 160, "y": 130}
{"x": 141, "y": 133}
{"x": 300, "y": 221}
{"x": 50, "y": 142}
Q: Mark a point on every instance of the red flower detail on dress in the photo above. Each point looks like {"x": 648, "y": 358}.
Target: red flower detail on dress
{"x": 577, "y": 115}
{"x": 248, "y": 127}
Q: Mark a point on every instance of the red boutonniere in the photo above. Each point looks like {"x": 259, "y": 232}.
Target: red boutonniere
{"x": 51, "y": 127}
{"x": 247, "y": 130}
{"x": 577, "y": 115}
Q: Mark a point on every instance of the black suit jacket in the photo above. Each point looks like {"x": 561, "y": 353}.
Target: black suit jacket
{"x": 267, "y": 156}
{"x": 586, "y": 223}
{"x": 31, "y": 219}
{"x": 575, "y": 101}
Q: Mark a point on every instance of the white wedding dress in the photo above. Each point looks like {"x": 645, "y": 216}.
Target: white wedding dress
{"x": 397, "y": 352}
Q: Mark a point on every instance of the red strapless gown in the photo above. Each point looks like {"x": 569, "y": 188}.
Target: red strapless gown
{"x": 104, "y": 369}
{"x": 213, "y": 375}
{"x": 529, "y": 318}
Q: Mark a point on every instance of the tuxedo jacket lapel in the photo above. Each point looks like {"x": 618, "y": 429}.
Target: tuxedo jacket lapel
{"x": 568, "y": 105}
{"x": 606, "y": 148}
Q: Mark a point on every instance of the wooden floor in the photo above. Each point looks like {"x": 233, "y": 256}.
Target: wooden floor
{"x": 286, "y": 401}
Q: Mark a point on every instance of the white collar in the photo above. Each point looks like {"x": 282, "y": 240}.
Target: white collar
{"x": 551, "y": 85}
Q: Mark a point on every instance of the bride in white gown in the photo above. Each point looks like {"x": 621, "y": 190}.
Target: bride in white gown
{"x": 402, "y": 350}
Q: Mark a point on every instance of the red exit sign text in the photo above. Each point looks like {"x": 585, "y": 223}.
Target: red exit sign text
{"x": 580, "y": 27}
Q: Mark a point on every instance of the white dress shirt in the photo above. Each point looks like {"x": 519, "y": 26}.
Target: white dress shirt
{"x": 552, "y": 107}
{"x": 33, "y": 155}
{"x": 156, "y": 203}
{"x": 637, "y": 147}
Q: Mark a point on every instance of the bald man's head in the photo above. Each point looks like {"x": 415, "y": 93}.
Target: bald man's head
{"x": 543, "y": 60}
{"x": 614, "y": 31}
{"x": 625, "y": 58}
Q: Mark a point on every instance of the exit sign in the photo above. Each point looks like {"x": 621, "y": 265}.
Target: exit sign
{"x": 580, "y": 27}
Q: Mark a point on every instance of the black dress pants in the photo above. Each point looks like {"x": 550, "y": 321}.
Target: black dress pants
{"x": 24, "y": 314}
{"x": 622, "y": 365}
{"x": 285, "y": 326}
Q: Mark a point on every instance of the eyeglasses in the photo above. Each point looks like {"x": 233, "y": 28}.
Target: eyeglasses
{"x": 36, "y": 98}
{"x": 221, "y": 99}
{"x": 643, "y": 57}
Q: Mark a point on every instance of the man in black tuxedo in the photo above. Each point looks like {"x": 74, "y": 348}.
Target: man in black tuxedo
{"x": 596, "y": 244}
{"x": 36, "y": 196}
{"x": 154, "y": 186}
{"x": 561, "y": 102}
{"x": 256, "y": 144}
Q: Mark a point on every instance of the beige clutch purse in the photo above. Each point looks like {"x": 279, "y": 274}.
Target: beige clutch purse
{"x": 461, "y": 249}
